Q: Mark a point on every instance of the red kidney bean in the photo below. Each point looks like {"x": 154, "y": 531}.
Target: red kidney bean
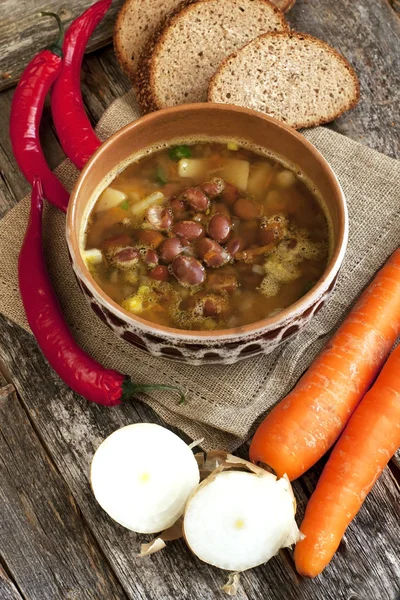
{"x": 212, "y": 253}
{"x": 230, "y": 194}
{"x": 188, "y": 271}
{"x": 126, "y": 255}
{"x": 210, "y": 305}
{"x": 178, "y": 207}
{"x": 269, "y": 233}
{"x": 120, "y": 240}
{"x": 271, "y": 230}
{"x": 219, "y": 227}
{"x": 188, "y": 229}
{"x": 236, "y": 244}
{"x": 196, "y": 199}
{"x": 160, "y": 273}
{"x": 247, "y": 209}
{"x": 149, "y": 237}
{"x": 151, "y": 258}
{"x": 160, "y": 217}
{"x": 214, "y": 187}
{"x": 169, "y": 250}
{"x": 210, "y": 308}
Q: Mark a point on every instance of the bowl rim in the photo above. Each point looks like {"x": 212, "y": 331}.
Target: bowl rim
{"x": 294, "y": 310}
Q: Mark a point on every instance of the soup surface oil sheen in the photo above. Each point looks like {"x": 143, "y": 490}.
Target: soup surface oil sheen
{"x": 206, "y": 236}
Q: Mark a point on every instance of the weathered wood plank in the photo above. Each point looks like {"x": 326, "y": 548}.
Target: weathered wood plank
{"x": 71, "y": 429}
{"x": 43, "y": 541}
{"x": 395, "y": 4}
{"x": 345, "y": 24}
{"x": 102, "y": 82}
{"x": 8, "y": 591}
{"x": 375, "y": 57}
{"x": 367, "y": 32}
{"x": 23, "y": 32}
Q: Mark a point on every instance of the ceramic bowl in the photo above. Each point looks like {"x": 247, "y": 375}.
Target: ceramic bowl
{"x": 210, "y": 121}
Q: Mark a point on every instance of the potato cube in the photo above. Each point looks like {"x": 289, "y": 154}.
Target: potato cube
{"x": 110, "y": 198}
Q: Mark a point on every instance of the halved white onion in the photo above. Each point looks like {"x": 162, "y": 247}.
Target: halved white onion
{"x": 142, "y": 476}
{"x": 236, "y": 520}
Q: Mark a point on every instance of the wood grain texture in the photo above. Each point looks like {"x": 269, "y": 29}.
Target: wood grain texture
{"x": 23, "y": 32}
{"x": 395, "y": 4}
{"x": 8, "y": 591}
{"x": 71, "y": 429}
{"x": 44, "y": 543}
{"x": 367, "y": 32}
{"x": 366, "y": 566}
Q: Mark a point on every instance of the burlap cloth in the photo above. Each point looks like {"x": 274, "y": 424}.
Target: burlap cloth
{"x": 225, "y": 402}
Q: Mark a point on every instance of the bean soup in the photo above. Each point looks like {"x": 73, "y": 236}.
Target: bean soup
{"x": 206, "y": 236}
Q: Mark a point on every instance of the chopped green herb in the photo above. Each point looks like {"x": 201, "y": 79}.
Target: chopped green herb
{"x": 161, "y": 176}
{"x": 124, "y": 205}
{"x": 178, "y": 152}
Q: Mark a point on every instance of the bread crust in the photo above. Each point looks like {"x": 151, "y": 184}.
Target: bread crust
{"x": 120, "y": 53}
{"x": 316, "y": 41}
{"x": 145, "y": 80}
{"x": 120, "y": 24}
{"x": 284, "y": 5}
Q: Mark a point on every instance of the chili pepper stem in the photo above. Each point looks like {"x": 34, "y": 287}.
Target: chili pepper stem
{"x": 129, "y": 389}
{"x": 56, "y": 47}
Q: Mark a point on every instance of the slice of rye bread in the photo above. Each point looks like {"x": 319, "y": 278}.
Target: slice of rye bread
{"x": 135, "y": 25}
{"x": 293, "y": 77}
{"x": 177, "y": 64}
{"x": 137, "y": 22}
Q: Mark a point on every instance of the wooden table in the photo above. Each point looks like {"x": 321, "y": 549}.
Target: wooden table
{"x": 55, "y": 541}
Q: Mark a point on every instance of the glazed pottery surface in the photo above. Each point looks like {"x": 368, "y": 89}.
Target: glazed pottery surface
{"x": 207, "y": 121}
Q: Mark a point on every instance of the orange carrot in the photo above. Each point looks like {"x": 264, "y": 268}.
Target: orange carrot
{"x": 305, "y": 424}
{"x": 371, "y": 437}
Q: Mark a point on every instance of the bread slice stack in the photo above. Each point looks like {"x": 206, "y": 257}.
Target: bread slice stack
{"x": 137, "y": 22}
{"x": 231, "y": 51}
{"x": 182, "y": 57}
{"x": 293, "y": 77}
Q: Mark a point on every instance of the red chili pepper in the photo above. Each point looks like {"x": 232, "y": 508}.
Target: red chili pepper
{"x": 26, "y": 112}
{"x": 76, "y": 368}
{"x": 76, "y": 134}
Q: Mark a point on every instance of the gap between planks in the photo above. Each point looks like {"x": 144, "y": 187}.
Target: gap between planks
{"x": 73, "y": 429}
{"x": 8, "y": 587}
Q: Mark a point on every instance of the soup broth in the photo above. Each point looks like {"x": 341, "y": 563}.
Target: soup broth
{"x": 206, "y": 236}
